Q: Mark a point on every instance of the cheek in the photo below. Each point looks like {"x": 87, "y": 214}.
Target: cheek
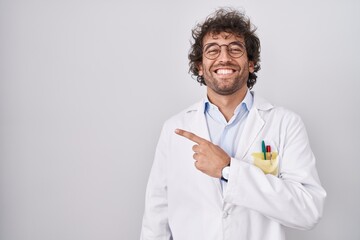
{"x": 203, "y": 68}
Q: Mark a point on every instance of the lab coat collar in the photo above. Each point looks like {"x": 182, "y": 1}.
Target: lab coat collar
{"x": 259, "y": 104}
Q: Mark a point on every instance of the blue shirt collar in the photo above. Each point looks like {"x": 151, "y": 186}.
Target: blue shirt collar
{"x": 247, "y": 101}
{"x": 214, "y": 112}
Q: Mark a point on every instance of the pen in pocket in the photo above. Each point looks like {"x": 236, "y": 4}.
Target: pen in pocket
{"x": 268, "y": 150}
{"x": 263, "y": 149}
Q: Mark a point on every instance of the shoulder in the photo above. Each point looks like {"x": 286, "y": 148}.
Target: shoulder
{"x": 267, "y": 111}
{"x": 185, "y": 116}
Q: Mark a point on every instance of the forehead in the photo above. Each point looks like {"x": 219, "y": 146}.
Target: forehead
{"x": 221, "y": 37}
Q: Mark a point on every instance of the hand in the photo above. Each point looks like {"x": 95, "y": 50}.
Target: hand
{"x": 209, "y": 158}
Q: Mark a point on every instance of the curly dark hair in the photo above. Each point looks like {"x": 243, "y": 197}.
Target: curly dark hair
{"x": 231, "y": 21}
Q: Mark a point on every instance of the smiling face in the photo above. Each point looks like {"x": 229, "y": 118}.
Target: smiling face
{"x": 225, "y": 75}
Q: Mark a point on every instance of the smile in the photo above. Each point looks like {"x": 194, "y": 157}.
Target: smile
{"x": 224, "y": 71}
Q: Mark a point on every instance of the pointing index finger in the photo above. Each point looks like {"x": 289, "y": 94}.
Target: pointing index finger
{"x": 189, "y": 135}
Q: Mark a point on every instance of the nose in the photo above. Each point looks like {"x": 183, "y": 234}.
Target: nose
{"x": 224, "y": 54}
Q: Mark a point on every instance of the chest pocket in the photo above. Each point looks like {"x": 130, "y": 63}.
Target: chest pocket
{"x": 264, "y": 155}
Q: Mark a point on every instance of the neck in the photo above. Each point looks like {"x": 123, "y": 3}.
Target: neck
{"x": 227, "y": 103}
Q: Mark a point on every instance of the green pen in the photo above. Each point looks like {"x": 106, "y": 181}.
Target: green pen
{"x": 263, "y": 149}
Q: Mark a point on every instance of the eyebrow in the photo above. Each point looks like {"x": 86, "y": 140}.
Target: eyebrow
{"x": 206, "y": 46}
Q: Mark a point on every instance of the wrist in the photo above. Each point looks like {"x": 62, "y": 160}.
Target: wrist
{"x": 225, "y": 172}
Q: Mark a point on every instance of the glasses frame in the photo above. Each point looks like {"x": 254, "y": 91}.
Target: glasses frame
{"x": 238, "y": 43}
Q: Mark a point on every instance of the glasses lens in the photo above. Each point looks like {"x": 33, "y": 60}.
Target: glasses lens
{"x": 236, "y": 50}
{"x": 212, "y": 51}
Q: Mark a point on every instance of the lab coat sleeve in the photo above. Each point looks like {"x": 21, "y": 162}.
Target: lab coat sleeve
{"x": 155, "y": 220}
{"x": 295, "y": 198}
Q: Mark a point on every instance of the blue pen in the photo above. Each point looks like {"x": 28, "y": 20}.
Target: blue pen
{"x": 263, "y": 149}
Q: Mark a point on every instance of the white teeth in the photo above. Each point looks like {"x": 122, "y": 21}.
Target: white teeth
{"x": 224, "y": 71}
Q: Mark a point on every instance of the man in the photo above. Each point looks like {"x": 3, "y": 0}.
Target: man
{"x": 232, "y": 166}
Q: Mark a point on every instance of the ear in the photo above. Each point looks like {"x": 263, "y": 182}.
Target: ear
{"x": 200, "y": 69}
{"x": 251, "y": 66}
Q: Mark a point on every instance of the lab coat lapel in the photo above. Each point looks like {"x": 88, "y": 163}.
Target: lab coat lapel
{"x": 253, "y": 126}
{"x": 200, "y": 128}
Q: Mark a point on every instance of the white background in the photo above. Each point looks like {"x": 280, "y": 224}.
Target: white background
{"x": 86, "y": 85}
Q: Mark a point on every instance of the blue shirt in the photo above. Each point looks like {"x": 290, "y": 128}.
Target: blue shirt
{"x": 227, "y": 134}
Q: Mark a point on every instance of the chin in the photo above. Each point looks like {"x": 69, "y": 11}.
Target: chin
{"x": 225, "y": 92}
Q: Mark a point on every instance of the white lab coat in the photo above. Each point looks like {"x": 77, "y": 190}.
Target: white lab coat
{"x": 183, "y": 203}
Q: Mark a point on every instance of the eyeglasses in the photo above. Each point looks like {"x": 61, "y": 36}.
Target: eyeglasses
{"x": 212, "y": 50}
